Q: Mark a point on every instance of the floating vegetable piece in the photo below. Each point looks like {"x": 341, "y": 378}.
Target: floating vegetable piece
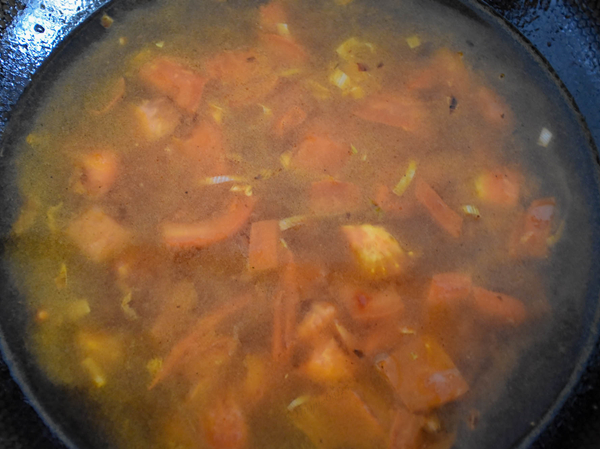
{"x": 377, "y": 252}
{"x": 545, "y": 137}
{"x": 406, "y": 179}
{"x": 211, "y": 230}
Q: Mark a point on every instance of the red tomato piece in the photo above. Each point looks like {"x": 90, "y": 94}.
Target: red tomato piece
{"x": 499, "y": 307}
{"x": 392, "y": 203}
{"x": 246, "y": 76}
{"x": 156, "y": 118}
{"x": 97, "y": 235}
{"x": 283, "y": 49}
{"x": 328, "y": 363}
{"x": 320, "y": 155}
{"x": 499, "y": 187}
{"x": 447, "y": 70}
{"x": 449, "y": 287}
{"x": 530, "y": 237}
{"x": 330, "y": 197}
{"x": 285, "y": 305}
{"x": 205, "y": 146}
{"x": 224, "y": 424}
{"x": 448, "y": 220}
{"x": 423, "y": 375}
{"x": 370, "y": 304}
{"x": 318, "y": 318}
{"x": 176, "y": 81}
{"x": 211, "y": 230}
{"x": 264, "y": 245}
{"x": 393, "y": 110}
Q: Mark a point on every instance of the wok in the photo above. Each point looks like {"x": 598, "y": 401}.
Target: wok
{"x": 564, "y": 32}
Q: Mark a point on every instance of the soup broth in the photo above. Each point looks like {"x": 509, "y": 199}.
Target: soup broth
{"x": 290, "y": 224}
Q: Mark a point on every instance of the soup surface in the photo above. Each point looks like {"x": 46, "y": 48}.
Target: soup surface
{"x": 293, "y": 224}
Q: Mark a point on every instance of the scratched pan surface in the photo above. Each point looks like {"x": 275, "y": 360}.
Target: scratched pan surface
{"x": 559, "y": 410}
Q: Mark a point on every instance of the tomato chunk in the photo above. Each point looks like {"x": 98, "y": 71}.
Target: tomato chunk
{"x": 179, "y": 83}
{"x": 337, "y": 419}
{"x": 264, "y": 245}
{"x": 392, "y": 203}
{"x": 445, "y": 217}
{"x": 499, "y": 187}
{"x": 393, "y": 110}
{"x": 97, "y": 235}
{"x": 423, "y": 375}
{"x": 328, "y": 363}
{"x": 499, "y": 307}
{"x": 211, "y": 230}
{"x": 449, "y": 287}
{"x": 205, "y": 146}
{"x": 95, "y": 173}
{"x": 330, "y": 197}
{"x": 284, "y": 49}
{"x": 377, "y": 252}
{"x": 318, "y": 318}
{"x": 530, "y": 237}
{"x": 224, "y": 424}
{"x": 285, "y": 305}
{"x": 371, "y": 304}
{"x": 246, "y": 76}
{"x": 319, "y": 154}
{"x": 156, "y": 118}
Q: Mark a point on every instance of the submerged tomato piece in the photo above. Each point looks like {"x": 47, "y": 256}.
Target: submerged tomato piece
{"x": 372, "y": 304}
{"x": 95, "y": 173}
{"x": 330, "y": 197}
{"x": 205, "y": 146}
{"x": 445, "y": 217}
{"x": 401, "y": 112}
{"x": 176, "y": 81}
{"x": 499, "y": 307}
{"x": 97, "y": 235}
{"x": 377, "y": 252}
{"x": 156, "y": 118}
{"x": 392, "y": 203}
{"x": 530, "y": 237}
{"x": 446, "y": 70}
{"x": 264, "y": 245}
{"x": 246, "y": 76}
{"x": 224, "y": 424}
{"x": 499, "y": 187}
{"x": 211, "y": 230}
{"x": 328, "y": 363}
{"x": 446, "y": 288}
{"x": 320, "y": 155}
{"x": 339, "y": 419}
{"x": 319, "y": 317}
{"x": 283, "y": 49}
{"x": 493, "y": 108}
{"x": 423, "y": 375}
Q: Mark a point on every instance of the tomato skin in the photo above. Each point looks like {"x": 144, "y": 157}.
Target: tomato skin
{"x": 174, "y": 80}
{"x": 445, "y": 217}
{"x": 224, "y": 425}
{"x": 211, "y": 230}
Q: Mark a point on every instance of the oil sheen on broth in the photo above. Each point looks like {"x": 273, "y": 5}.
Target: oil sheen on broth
{"x": 292, "y": 224}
